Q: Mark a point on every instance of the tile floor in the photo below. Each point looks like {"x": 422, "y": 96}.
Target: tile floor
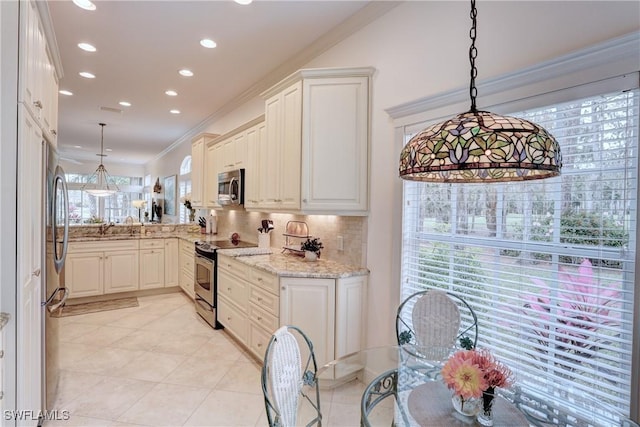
{"x": 160, "y": 364}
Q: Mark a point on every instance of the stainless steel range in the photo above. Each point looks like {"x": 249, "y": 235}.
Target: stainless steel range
{"x": 206, "y": 276}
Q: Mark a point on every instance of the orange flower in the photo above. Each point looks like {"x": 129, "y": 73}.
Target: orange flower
{"x": 463, "y": 376}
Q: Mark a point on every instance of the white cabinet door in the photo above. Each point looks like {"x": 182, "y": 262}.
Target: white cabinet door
{"x": 197, "y": 172}
{"x": 335, "y": 149}
{"x": 171, "y": 263}
{"x": 29, "y": 269}
{"x": 121, "y": 271}
{"x": 151, "y": 268}
{"x": 228, "y": 155}
{"x": 84, "y": 274}
{"x": 239, "y": 150}
{"x": 31, "y": 49}
{"x": 252, "y": 176}
{"x": 351, "y": 299}
{"x": 280, "y": 164}
{"x": 310, "y": 305}
{"x": 212, "y": 152}
{"x": 186, "y": 267}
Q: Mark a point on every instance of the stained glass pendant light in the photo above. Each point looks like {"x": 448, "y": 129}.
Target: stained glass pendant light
{"x": 102, "y": 185}
{"x": 479, "y": 146}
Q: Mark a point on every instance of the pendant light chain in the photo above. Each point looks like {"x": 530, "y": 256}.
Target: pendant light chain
{"x": 102, "y": 156}
{"x": 473, "y": 53}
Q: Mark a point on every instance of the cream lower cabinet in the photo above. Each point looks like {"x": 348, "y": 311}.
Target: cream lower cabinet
{"x": 187, "y": 251}
{"x": 171, "y": 262}
{"x": 121, "y": 271}
{"x": 99, "y": 267}
{"x": 264, "y": 310}
{"x": 233, "y": 297}
{"x": 330, "y": 311}
{"x": 151, "y": 264}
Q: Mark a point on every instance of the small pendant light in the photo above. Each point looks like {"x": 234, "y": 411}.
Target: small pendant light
{"x": 479, "y": 146}
{"x": 101, "y": 186}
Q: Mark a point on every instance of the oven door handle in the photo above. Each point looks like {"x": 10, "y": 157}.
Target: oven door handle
{"x": 207, "y": 262}
{"x": 203, "y": 304}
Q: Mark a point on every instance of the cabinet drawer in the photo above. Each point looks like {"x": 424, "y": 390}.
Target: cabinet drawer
{"x": 233, "y": 289}
{"x": 151, "y": 243}
{"x": 232, "y": 319}
{"x": 103, "y": 245}
{"x": 258, "y": 340}
{"x": 267, "y": 281}
{"x": 262, "y": 318}
{"x": 265, "y": 300}
{"x": 234, "y": 267}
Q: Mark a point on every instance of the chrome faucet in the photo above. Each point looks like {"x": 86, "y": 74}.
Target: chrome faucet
{"x": 104, "y": 227}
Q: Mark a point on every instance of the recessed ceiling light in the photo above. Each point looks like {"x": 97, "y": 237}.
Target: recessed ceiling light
{"x": 186, "y": 73}
{"x": 77, "y": 146}
{"x": 65, "y": 92}
{"x": 243, "y": 2}
{"x": 125, "y": 103}
{"x": 108, "y": 149}
{"x": 208, "y": 43}
{"x": 174, "y": 111}
{"x": 87, "y": 75}
{"x": 171, "y": 93}
{"x": 87, "y": 47}
{"x": 85, "y": 4}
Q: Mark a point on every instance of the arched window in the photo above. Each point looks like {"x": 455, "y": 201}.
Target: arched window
{"x": 184, "y": 187}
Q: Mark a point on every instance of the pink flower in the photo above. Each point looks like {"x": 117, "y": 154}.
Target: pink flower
{"x": 469, "y": 373}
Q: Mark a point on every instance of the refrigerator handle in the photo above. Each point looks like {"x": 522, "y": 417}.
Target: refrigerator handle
{"x": 58, "y": 258}
{"x": 59, "y": 304}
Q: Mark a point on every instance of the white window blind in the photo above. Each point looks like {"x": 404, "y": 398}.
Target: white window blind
{"x": 548, "y": 265}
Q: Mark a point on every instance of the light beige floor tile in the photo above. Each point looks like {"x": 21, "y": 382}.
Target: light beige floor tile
{"x": 150, "y": 366}
{"x": 350, "y": 393}
{"x": 347, "y": 415}
{"x": 70, "y": 353}
{"x": 105, "y": 361}
{"x": 168, "y": 324}
{"x": 165, "y": 405}
{"x": 226, "y": 408}
{"x": 110, "y": 398}
{"x": 134, "y": 320}
{"x": 185, "y": 344}
{"x": 78, "y": 421}
{"x": 242, "y": 377}
{"x": 73, "y": 384}
{"x": 103, "y": 336}
{"x": 199, "y": 372}
{"x": 71, "y": 331}
{"x": 220, "y": 347}
{"x": 139, "y": 340}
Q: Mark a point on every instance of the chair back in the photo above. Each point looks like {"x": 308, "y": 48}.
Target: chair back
{"x": 289, "y": 386}
{"x": 434, "y": 322}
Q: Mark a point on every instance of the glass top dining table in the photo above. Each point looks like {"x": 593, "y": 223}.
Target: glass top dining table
{"x": 407, "y": 390}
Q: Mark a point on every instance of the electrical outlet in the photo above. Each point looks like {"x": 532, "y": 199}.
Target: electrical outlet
{"x": 340, "y": 243}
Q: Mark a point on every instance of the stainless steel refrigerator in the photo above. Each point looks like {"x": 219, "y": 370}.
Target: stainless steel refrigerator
{"x": 55, "y": 294}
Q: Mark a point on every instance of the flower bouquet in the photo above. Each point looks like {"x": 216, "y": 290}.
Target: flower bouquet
{"x": 475, "y": 374}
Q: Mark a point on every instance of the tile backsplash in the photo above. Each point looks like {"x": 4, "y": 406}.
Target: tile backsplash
{"x": 326, "y": 227}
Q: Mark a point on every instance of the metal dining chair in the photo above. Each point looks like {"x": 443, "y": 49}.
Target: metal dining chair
{"x": 290, "y": 388}
{"x": 435, "y": 322}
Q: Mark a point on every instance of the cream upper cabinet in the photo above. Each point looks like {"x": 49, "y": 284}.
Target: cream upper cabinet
{"x": 212, "y": 159}
{"x": 280, "y": 164}
{"x": 171, "y": 262}
{"x": 317, "y": 127}
{"x": 199, "y": 183}
{"x": 255, "y": 137}
{"x": 239, "y": 153}
{"x": 39, "y": 77}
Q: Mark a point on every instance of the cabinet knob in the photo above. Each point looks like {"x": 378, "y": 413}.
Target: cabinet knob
{"x": 36, "y": 272}
{"x": 259, "y": 299}
{"x": 37, "y": 104}
{"x": 229, "y": 289}
{"x": 259, "y": 317}
{"x": 259, "y": 279}
{"x": 229, "y": 318}
{"x": 53, "y": 132}
{"x": 284, "y": 288}
{"x": 304, "y": 200}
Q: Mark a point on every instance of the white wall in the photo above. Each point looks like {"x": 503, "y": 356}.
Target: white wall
{"x": 419, "y": 49}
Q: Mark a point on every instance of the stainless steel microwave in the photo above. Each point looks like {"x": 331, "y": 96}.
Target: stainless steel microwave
{"x": 231, "y": 188}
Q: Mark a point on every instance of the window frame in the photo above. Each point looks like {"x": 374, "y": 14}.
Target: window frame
{"x": 612, "y": 60}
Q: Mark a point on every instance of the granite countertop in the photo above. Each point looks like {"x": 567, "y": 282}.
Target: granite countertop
{"x": 289, "y": 265}
{"x": 270, "y": 259}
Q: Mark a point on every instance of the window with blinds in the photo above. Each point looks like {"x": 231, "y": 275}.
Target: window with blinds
{"x": 547, "y": 265}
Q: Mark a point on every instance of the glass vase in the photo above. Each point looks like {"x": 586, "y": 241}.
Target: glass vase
{"x": 467, "y": 407}
{"x": 485, "y": 414}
